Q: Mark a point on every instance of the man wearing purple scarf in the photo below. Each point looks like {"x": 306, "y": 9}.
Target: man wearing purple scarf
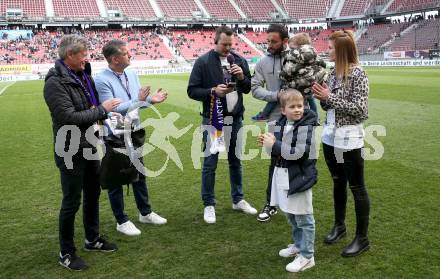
{"x": 219, "y": 79}
{"x": 70, "y": 94}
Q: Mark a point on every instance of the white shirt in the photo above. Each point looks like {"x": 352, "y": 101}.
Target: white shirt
{"x": 231, "y": 98}
{"x": 298, "y": 203}
{"x": 346, "y": 137}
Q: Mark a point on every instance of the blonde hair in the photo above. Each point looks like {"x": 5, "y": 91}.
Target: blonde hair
{"x": 289, "y": 95}
{"x": 300, "y": 39}
{"x": 345, "y": 51}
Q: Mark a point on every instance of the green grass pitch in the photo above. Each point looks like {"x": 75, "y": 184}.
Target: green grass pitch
{"x": 403, "y": 187}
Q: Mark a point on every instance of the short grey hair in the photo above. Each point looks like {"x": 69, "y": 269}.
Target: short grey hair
{"x": 75, "y": 43}
{"x": 112, "y": 48}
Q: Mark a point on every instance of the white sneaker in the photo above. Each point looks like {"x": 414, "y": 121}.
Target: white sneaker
{"x": 128, "y": 228}
{"x": 209, "y": 214}
{"x": 290, "y": 251}
{"x": 245, "y": 207}
{"x": 300, "y": 263}
{"x": 152, "y": 218}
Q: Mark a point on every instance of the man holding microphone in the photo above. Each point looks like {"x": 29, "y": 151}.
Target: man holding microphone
{"x": 219, "y": 83}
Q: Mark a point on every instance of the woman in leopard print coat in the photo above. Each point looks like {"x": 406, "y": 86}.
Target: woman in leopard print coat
{"x": 345, "y": 99}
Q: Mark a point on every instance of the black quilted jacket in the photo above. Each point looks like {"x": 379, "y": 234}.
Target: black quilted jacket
{"x": 68, "y": 105}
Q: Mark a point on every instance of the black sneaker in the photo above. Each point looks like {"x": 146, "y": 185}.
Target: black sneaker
{"x": 267, "y": 213}
{"x": 72, "y": 261}
{"x": 101, "y": 245}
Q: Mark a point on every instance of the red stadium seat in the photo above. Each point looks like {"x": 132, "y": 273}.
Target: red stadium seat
{"x": 133, "y": 8}
{"x": 31, "y": 8}
{"x": 77, "y": 8}
{"x": 221, "y": 9}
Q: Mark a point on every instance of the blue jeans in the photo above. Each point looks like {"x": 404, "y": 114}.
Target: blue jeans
{"x": 303, "y": 233}
{"x": 140, "y": 192}
{"x": 210, "y": 165}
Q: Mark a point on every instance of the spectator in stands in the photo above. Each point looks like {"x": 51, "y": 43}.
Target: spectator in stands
{"x": 346, "y": 101}
{"x": 266, "y": 85}
{"x": 124, "y": 84}
{"x": 70, "y": 94}
{"x": 209, "y": 84}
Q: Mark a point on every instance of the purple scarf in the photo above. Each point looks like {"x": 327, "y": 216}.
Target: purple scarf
{"x": 89, "y": 92}
{"x": 216, "y": 113}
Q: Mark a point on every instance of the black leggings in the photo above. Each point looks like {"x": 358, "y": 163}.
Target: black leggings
{"x": 348, "y": 167}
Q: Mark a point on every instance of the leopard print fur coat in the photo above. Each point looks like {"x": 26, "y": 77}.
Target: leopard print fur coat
{"x": 348, "y": 99}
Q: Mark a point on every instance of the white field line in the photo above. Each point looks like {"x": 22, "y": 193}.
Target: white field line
{"x": 6, "y": 87}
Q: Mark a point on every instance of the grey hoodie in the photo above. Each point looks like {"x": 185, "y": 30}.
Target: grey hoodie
{"x": 266, "y": 82}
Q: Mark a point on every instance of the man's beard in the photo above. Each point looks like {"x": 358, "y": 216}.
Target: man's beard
{"x": 275, "y": 52}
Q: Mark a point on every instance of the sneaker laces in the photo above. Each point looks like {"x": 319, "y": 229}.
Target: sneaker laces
{"x": 210, "y": 211}
{"x": 291, "y": 248}
{"x": 154, "y": 217}
{"x": 245, "y": 204}
{"x": 266, "y": 208}
{"x": 100, "y": 239}
{"x": 129, "y": 225}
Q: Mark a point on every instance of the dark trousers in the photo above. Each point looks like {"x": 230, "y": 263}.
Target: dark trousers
{"x": 140, "y": 192}
{"x": 235, "y": 167}
{"x": 269, "y": 179}
{"x": 83, "y": 177}
{"x": 351, "y": 170}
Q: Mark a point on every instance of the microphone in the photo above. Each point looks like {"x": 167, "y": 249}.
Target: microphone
{"x": 231, "y": 60}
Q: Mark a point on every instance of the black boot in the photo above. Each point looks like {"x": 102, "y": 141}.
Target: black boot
{"x": 359, "y": 245}
{"x": 337, "y": 232}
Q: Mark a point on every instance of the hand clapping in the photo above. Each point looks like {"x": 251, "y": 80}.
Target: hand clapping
{"x": 267, "y": 139}
{"x": 321, "y": 92}
{"x": 144, "y": 92}
{"x": 159, "y": 96}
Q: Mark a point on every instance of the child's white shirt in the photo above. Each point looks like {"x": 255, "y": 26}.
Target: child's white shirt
{"x": 299, "y": 203}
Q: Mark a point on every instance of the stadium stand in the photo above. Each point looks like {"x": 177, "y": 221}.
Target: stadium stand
{"x": 355, "y": 7}
{"x": 423, "y": 36}
{"x": 299, "y": 9}
{"x": 259, "y": 39}
{"x": 256, "y": 9}
{"x": 192, "y": 44}
{"x": 221, "y": 9}
{"x": 184, "y": 9}
{"x": 77, "y": 8}
{"x": 143, "y": 44}
{"x": 133, "y": 8}
{"x": 30, "y": 7}
{"x": 412, "y": 5}
{"x": 377, "y": 35}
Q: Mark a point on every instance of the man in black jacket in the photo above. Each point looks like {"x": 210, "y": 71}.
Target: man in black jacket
{"x": 70, "y": 94}
{"x": 222, "y": 75}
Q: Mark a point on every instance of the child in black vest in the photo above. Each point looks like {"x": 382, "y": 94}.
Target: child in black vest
{"x": 292, "y": 145}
